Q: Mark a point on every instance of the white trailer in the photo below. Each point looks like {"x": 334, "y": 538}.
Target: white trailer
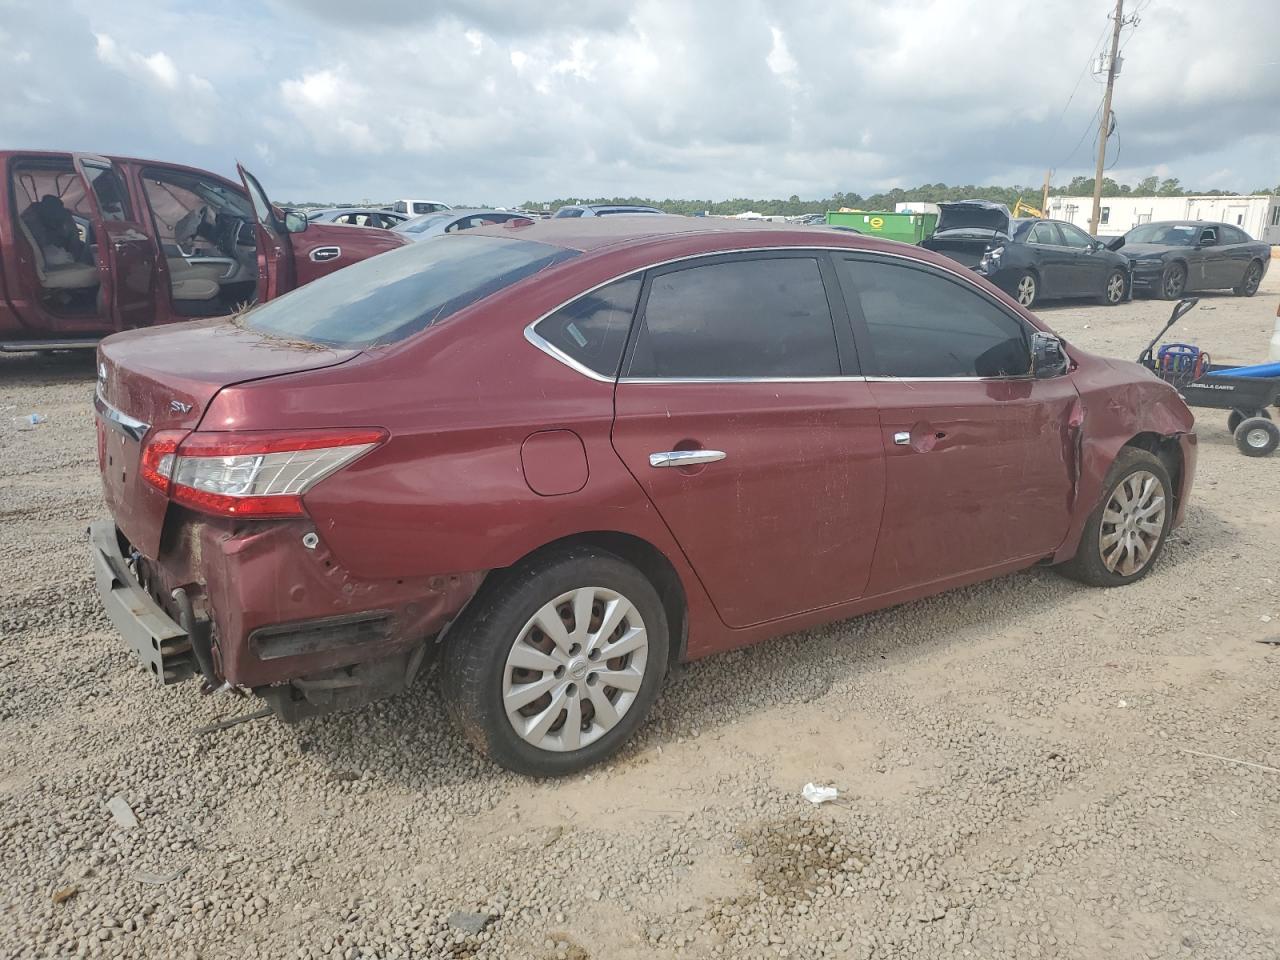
{"x": 1258, "y": 215}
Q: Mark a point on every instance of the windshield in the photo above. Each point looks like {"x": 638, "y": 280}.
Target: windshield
{"x": 419, "y": 224}
{"x": 1167, "y": 234}
{"x": 388, "y": 297}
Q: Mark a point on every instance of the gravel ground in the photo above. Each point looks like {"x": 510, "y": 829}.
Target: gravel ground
{"x": 1012, "y": 762}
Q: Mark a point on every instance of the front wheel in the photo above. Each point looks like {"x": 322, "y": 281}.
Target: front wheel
{"x": 1113, "y": 292}
{"x": 1124, "y": 536}
{"x": 1026, "y": 289}
{"x": 557, "y": 664}
{"x": 1248, "y": 285}
{"x": 1173, "y": 281}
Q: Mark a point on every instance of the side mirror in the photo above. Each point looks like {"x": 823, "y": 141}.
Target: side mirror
{"x": 1048, "y": 358}
{"x": 1207, "y": 241}
{"x": 295, "y": 222}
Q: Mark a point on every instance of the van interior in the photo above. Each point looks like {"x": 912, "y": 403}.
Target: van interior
{"x": 206, "y": 233}
{"x": 53, "y": 216}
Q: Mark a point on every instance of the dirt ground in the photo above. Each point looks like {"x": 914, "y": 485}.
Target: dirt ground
{"x": 1022, "y": 765}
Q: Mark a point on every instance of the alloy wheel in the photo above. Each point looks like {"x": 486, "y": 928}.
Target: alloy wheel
{"x": 1027, "y": 290}
{"x": 1174, "y": 281}
{"x": 1132, "y": 523}
{"x": 575, "y": 669}
{"x": 1115, "y": 288}
{"x": 1252, "y": 279}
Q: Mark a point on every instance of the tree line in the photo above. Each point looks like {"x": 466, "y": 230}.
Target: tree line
{"x": 929, "y": 192}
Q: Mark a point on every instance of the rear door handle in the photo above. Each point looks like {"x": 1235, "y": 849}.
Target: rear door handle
{"x": 684, "y": 458}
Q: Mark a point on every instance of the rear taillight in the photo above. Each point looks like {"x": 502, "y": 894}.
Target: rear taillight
{"x": 252, "y": 474}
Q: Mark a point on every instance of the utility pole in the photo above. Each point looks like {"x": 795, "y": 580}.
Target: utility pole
{"x": 1044, "y": 195}
{"x": 1105, "y": 130}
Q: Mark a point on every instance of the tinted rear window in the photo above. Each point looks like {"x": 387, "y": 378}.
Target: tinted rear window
{"x": 390, "y": 296}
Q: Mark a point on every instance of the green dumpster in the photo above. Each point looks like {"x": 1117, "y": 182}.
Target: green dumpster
{"x": 906, "y": 227}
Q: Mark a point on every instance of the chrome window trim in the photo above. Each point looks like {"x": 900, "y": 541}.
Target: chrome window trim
{"x": 551, "y": 350}
{"x": 856, "y": 378}
{"x": 129, "y": 426}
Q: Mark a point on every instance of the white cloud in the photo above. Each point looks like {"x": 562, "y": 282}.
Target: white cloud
{"x": 488, "y": 100}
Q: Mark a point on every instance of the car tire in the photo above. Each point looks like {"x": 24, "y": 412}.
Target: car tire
{"x": 1173, "y": 282}
{"x": 1257, "y": 437}
{"x": 1109, "y": 554}
{"x": 499, "y": 647}
{"x": 1026, "y": 289}
{"x": 1248, "y": 285}
{"x": 1237, "y": 417}
{"x": 1114, "y": 289}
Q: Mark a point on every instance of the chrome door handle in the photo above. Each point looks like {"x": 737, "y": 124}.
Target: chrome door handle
{"x": 684, "y": 458}
{"x": 902, "y": 438}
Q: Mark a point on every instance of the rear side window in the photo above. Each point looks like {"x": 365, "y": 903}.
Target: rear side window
{"x": 1045, "y": 233}
{"x": 388, "y": 297}
{"x": 593, "y": 329}
{"x": 737, "y": 318}
{"x": 922, "y": 324}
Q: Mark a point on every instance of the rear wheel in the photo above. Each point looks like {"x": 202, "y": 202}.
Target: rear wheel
{"x": 1124, "y": 536}
{"x": 1113, "y": 292}
{"x": 1237, "y": 417}
{"x": 555, "y": 667}
{"x": 1026, "y": 289}
{"x": 1257, "y": 437}
{"x": 1173, "y": 281}
{"x": 1248, "y": 285}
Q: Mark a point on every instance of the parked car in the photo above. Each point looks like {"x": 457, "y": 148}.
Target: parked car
{"x": 1030, "y": 259}
{"x": 565, "y": 455}
{"x": 1174, "y": 257}
{"x": 358, "y": 217}
{"x": 436, "y": 224}
{"x": 90, "y": 245}
{"x": 416, "y": 208}
{"x": 603, "y": 210}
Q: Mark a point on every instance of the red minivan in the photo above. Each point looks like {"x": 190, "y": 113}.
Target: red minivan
{"x": 93, "y": 245}
{"x": 567, "y": 454}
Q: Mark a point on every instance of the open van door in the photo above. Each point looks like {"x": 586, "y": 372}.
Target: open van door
{"x": 123, "y": 243}
{"x": 276, "y": 271}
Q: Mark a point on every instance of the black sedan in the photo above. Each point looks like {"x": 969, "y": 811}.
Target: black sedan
{"x": 1030, "y": 259}
{"x": 1178, "y": 256}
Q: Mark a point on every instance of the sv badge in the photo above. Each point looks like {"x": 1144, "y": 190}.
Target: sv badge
{"x": 177, "y": 406}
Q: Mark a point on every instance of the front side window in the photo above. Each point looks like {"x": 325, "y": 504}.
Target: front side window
{"x": 922, "y": 324}
{"x": 737, "y": 319}
{"x": 592, "y": 330}
{"x": 1074, "y": 237}
{"x": 391, "y": 296}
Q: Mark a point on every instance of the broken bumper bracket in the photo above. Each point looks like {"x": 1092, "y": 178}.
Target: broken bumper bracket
{"x": 162, "y": 645}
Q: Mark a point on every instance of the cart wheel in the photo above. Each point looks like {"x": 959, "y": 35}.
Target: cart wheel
{"x": 1238, "y": 417}
{"x": 1257, "y": 437}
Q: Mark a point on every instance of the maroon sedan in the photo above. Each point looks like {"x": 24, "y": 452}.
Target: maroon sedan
{"x": 570, "y": 453}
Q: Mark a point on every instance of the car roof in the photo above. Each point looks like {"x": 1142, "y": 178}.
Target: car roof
{"x": 1185, "y": 223}
{"x": 322, "y": 210}
{"x": 589, "y": 234}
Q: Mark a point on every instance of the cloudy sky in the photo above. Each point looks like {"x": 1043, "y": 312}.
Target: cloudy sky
{"x": 504, "y": 100}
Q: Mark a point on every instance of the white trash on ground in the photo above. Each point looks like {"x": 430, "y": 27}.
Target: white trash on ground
{"x": 816, "y": 794}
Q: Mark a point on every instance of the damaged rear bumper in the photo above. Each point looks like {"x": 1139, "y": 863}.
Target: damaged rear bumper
{"x": 261, "y": 607}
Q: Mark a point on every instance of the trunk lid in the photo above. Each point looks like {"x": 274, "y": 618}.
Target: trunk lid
{"x": 163, "y": 379}
{"x": 973, "y": 215}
